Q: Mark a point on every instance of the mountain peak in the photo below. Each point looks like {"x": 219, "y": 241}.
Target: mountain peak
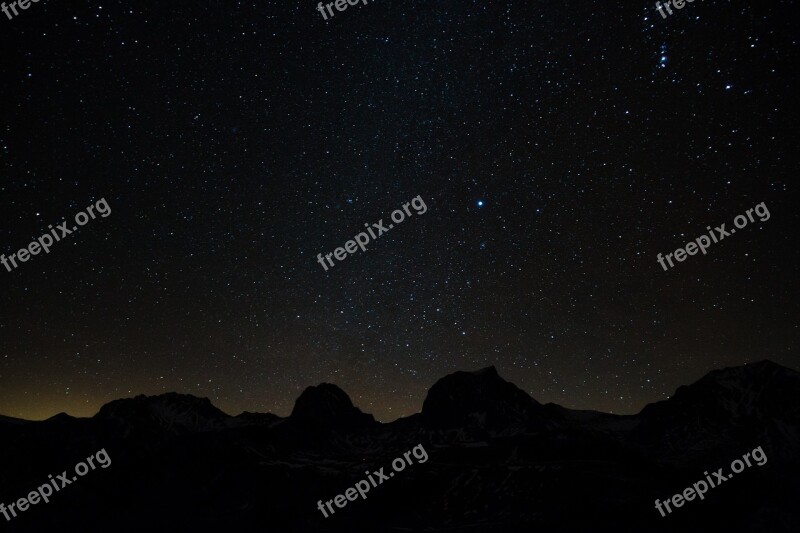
{"x": 722, "y": 406}
{"x": 171, "y": 411}
{"x": 765, "y": 363}
{"x": 326, "y": 405}
{"x": 747, "y": 376}
{"x": 60, "y": 417}
{"x": 489, "y": 371}
{"x": 743, "y": 382}
{"x": 480, "y": 399}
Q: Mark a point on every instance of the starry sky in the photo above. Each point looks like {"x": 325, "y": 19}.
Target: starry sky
{"x": 558, "y": 146}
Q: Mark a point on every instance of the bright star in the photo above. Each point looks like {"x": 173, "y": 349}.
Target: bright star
{"x": 480, "y": 203}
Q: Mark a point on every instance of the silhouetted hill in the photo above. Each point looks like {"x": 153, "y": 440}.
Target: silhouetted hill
{"x": 328, "y": 406}
{"x": 10, "y": 420}
{"x": 258, "y": 419}
{"x": 172, "y": 412}
{"x": 728, "y": 408}
{"x": 481, "y": 400}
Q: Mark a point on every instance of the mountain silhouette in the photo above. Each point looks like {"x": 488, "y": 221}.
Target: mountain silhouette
{"x": 498, "y": 461}
{"x": 727, "y": 408}
{"x": 327, "y": 406}
{"x": 481, "y": 400}
{"x": 171, "y": 413}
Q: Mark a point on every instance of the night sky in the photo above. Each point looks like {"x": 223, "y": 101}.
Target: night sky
{"x": 558, "y": 146}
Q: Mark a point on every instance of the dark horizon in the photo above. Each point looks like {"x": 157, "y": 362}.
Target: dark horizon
{"x": 485, "y": 456}
{"x": 384, "y": 421}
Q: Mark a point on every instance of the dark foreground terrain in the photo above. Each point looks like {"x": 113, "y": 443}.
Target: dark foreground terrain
{"x": 499, "y": 461}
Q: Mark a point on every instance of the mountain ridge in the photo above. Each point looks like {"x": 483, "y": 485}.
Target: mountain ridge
{"x": 206, "y": 406}
{"x": 498, "y": 461}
